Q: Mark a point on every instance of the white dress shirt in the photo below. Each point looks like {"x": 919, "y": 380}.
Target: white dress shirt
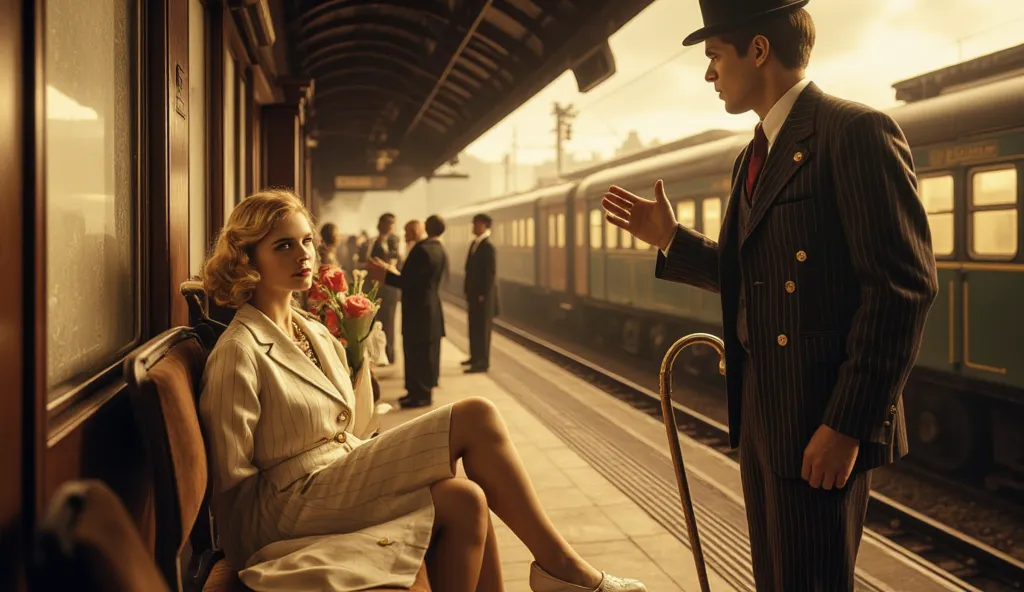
{"x": 772, "y": 125}
{"x": 477, "y": 240}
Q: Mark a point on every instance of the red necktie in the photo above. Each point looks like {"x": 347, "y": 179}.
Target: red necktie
{"x": 757, "y": 157}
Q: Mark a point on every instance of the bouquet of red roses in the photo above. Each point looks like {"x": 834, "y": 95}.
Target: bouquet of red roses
{"x": 345, "y": 309}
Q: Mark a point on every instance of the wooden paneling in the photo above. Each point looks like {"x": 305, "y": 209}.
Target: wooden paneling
{"x": 280, "y": 142}
{"x": 215, "y": 119}
{"x": 16, "y": 195}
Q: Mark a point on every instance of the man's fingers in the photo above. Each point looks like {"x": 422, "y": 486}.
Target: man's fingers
{"x": 622, "y": 193}
{"x": 617, "y": 200}
{"x": 805, "y": 471}
{"x": 829, "y": 480}
{"x": 816, "y": 476}
{"x": 841, "y": 480}
{"x": 617, "y": 221}
{"x": 613, "y": 208}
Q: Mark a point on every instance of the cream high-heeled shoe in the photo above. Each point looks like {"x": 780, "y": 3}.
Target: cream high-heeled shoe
{"x": 542, "y": 581}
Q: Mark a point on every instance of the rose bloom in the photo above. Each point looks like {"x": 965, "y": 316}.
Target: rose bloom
{"x": 356, "y": 306}
{"x": 333, "y": 322}
{"x": 317, "y": 296}
{"x": 334, "y": 278}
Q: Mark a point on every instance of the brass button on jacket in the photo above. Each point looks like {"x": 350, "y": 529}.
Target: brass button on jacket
{"x": 340, "y": 437}
{"x": 782, "y": 339}
{"x": 790, "y": 287}
{"x": 801, "y": 256}
{"x": 343, "y": 417}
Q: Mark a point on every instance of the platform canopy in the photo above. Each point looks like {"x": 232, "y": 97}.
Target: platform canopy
{"x": 401, "y": 87}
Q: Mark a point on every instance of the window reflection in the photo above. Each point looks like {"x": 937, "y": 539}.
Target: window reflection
{"x": 994, "y": 212}
{"x": 90, "y": 160}
{"x": 937, "y": 197}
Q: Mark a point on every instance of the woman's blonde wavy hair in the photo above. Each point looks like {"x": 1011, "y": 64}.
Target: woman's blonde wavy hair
{"x": 229, "y": 276}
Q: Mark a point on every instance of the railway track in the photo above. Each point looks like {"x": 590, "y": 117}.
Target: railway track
{"x": 969, "y": 560}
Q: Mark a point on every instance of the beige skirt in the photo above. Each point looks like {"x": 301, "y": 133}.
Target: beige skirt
{"x": 366, "y": 518}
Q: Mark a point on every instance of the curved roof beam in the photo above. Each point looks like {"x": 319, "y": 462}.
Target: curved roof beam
{"x": 418, "y": 37}
{"x": 323, "y": 9}
{"x": 385, "y": 46}
{"x": 365, "y": 57}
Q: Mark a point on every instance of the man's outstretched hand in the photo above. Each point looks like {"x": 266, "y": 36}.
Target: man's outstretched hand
{"x": 651, "y": 221}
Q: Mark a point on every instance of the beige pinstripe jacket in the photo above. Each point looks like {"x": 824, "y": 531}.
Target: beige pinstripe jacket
{"x": 273, "y": 421}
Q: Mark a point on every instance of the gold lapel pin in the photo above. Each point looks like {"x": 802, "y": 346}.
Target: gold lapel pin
{"x": 798, "y": 157}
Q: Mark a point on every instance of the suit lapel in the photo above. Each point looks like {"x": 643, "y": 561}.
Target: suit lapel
{"x": 730, "y": 224}
{"x": 283, "y": 350}
{"x": 787, "y": 155}
{"x": 326, "y": 352}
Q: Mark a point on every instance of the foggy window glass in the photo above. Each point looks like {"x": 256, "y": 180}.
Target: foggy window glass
{"x": 626, "y": 240}
{"x": 994, "y": 228}
{"x": 595, "y": 228}
{"x": 640, "y": 245}
{"x": 560, "y": 231}
{"x": 530, "y": 231}
{"x": 611, "y": 235}
{"x": 515, "y": 233}
{"x": 937, "y": 198}
{"x": 551, "y": 230}
{"x": 711, "y": 217}
{"x": 91, "y": 158}
{"x": 686, "y": 213}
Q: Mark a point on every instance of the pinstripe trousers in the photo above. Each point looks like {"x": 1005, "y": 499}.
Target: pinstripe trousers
{"x": 801, "y": 539}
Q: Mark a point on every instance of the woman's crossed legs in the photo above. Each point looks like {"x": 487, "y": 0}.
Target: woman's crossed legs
{"x": 464, "y": 556}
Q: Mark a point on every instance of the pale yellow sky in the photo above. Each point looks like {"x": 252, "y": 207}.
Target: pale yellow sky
{"x": 862, "y": 47}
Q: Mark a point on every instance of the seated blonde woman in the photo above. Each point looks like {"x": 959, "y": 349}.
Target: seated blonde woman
{"x": 277, "y": 407}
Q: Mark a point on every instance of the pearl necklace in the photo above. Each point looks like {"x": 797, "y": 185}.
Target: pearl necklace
{"x": 303, "y": 343}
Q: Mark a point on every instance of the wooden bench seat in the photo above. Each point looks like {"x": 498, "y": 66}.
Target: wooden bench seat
{"x": 164, "y": 377}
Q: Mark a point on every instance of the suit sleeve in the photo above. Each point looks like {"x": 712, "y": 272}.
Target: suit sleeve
{"x": 415, "y": 271}
{"x": 889, "y": 241}
{"x": 230, "y": 409}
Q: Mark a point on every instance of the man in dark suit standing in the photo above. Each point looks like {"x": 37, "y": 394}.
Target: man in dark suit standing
{"x": 481, "y": 294}
{"x": 385, "y": 248}
{"x": 826, "y": 274}
{"x": 422, "y": 317}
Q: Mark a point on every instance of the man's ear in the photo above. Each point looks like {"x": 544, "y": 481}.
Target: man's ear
{"x": 761, "y": 48}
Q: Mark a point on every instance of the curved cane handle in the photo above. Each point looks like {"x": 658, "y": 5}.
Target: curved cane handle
{"x": 672, "y": 429}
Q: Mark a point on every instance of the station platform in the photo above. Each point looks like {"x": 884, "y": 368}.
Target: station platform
{"x": 604, "y": 473}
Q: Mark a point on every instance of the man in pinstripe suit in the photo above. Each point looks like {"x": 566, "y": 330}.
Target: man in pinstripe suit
{"x": 826, "y": 274}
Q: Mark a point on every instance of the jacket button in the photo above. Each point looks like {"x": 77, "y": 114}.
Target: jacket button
{"x": 887, "y": 423}
{"x": 340, "y": 437}
{"x": 384, "y": 542}
{"x": 343, "y": 417}
{"x": 782, "y": 339}
{"x": 790, "y": 287}
{"x": 801, "y": 256}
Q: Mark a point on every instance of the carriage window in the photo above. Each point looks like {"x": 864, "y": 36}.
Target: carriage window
{"x": 994, "y": 212}
{"x": 937, "y": 198}
{"x": 92, "y": 305}
{"x": 686, "y": 213}
{"x": 579, "y": 229}
{"x": 515, "y": 233}
{"x": 529, "y": 232}
{"x": 595, "y": 228}
{"x": 640, "y": 245}
{"x": 551, "y": 230}
{"x": 611, "y": 235}
{"x": 711, "y": 217}
{"x": 230, "y": 152}
{"x": 560, "y": 230}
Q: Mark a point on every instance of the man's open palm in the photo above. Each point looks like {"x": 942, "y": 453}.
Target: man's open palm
{"x": 651, "y": 221}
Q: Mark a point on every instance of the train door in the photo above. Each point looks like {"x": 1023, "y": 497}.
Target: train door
{"x": 941, "y": 346}
{"x": 556, "y": 279}
{"x": 992, "y": 319}
{"x": 581, "y": 238}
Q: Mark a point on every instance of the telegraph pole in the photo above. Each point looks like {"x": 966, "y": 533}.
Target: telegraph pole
{"x": 563, "y": 130}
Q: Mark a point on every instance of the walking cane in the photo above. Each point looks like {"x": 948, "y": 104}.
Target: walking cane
{"x": 673, "y": 438}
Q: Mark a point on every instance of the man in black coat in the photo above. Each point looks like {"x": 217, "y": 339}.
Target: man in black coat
{"x": 422, "y": 316}
{"x": 385, "y": 248}
{"x": 481, "y": 294}
{"x": 826, "y": 274}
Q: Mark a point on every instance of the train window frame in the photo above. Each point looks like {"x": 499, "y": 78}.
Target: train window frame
{"x": 722, "y": 203}
{"x": 552, "y": 234}
{"x": 596, "y": 225}
{"x": 952, "y": 254}
{"x": 77, "y": 396}
{"x": 679, "y": 213}
{"x": 580, "y": 217}
{"x": 531, "y": 232}
{"x": 972, "y": 209}
{"x": 560, "y": 230}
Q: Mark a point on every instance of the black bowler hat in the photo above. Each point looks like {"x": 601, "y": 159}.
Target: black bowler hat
{"x": 722, "y": 16}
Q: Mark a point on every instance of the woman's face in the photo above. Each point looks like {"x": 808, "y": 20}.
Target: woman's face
{"x": 284, "y": 258}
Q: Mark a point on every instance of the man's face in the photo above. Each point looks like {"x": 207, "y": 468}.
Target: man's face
{"x": 413, "y": 232}
{"x": 735, "y": 78}
{"x": 386, "y": 227}
{"x": 479, "y": 228}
